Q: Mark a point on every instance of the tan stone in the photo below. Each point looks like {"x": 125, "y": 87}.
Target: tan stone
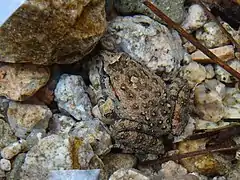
{"x": 19, "y": 81}
{"x": 47, "y": 32}
{"x": 225, "y": 53}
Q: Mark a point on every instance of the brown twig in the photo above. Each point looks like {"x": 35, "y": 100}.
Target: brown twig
{"x": 177, "y": 157}
{"x": 190, "y": 38}
{"x": 237, "y": 46}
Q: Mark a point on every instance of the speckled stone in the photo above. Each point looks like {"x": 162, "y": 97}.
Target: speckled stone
{"x": 174, "y": 9}
{"x": 126, "y": 174}
{"x": 71, "y": 97}
{"x": 5, "y": 164}
{"x": 18, "y": 82}
{"x": 47, "y": 32}
{"x": 25, "y": 117}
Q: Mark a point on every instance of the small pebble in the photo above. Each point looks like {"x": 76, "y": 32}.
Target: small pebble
{"x": 5, "y": 164}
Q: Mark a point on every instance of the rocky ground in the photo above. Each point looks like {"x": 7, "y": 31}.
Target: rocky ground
{"x": 89, "y": 85}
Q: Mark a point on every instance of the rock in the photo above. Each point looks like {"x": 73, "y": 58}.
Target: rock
{"x": 171, "y": 169}
{"x": 71, "y": 97}
{"x": 203, "y": 124}
{"x": 211, "y": 35}
{"x": 223, "y": 75}
{"x": 42, "y": 32}
{"x": 13, "y": 149}
{"x": 225, "y": 53}
{"x": 173, "y": 9}
{"x": 126, "y": 174}
{"x": 16, "y": 167}
{"x": 195, "y": 73}
{"x": 149, "y": 42}
{"x": 19, "y": 82}
{"x": 23, "y": 118}
{"x": 56, "y": 153}
{"x": 94, "y": 133}
{"x": 209, "y": 71}
{"x": 6, "y": 134}
{"x": 209, "y": 100}
{"x": 232, "y": 103}
{"x": 34, "y": 137}
{"x": 61, "y": 124}
{"x": 3, "y": 107}
{"x": 113, "y": 162}
{"x": 5, "y": 164}
{"x": 2, "y": 175}
{"x": 195, "y": 19}
{"x": 189, "y": 47}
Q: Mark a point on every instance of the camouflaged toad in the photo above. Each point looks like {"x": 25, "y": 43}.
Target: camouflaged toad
{"x": 137, "y": 103}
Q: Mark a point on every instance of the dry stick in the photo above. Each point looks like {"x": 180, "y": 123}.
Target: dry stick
{"x": 190, "y": 38}
{"x": 177, "y": 157}
{"x": 219, "y": 24}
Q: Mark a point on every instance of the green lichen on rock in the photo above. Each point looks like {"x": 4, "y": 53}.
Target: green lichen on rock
{"x": 47, "y": 32}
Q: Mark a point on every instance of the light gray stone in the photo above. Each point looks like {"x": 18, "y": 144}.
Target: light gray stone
{"x": 126, "y": 174}
{"x": 6, "y": 134}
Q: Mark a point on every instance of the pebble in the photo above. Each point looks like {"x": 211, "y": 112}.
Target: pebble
{"x": 113, "y": 162}
{"x": 19, "y": 81}
{"x": 211, "y": 35}
{"x": 173, "y": 9}
{"x": 5, "y": 164}
{"x": 127, "y": 174}
{"x": 2, "y": 175}
{"x": 23, "y": 118}
{"x": 6, "y": 134}
{"x": 13, "y": 149}
{"x": 225, "y": 53}
{"x": 149, "y": 42}
{"x": 34, "y": 137}
{"x": 195, "y": 73}
{"x": 209, "y": 71}
{"x": 94, "y": 133}
{"x": 209, "y": 100}
{"x": 195, "y": 19}
{"x": 223, "y": 75}
{"x": 61, "y": 124}
{"x": 71, "y": 97}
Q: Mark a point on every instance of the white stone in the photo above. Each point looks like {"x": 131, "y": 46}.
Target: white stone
{"x": 128, "y": 174}
{"x": 171, "y": 169}
{"x": 5, "y": 164}
{"x": 209, "y": 100}
{"x": 14, "y": 149}
{"x": 71, "y": 97}
{"x": 195, "y": 19}
{"x": 210, "y": 71}
{"x": 195, "y": 73}
{"x": 148, "y": 41}
{"x": 223, "y": 75}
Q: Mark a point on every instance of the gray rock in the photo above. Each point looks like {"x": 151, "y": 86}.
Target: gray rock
{"x": 71, "y": 97}
{"x": 94, "y": 133}
{"x": 174, "y": 9}
{"x": 147, "y": 41}
{"x": 5, "y": 165}
{"x": 23, "y": 118}
{"x": 16, "y": 167}
{"x": 61, "y": 124}
{"x": 34, "y": 137}
{"x": 46, "y": 32}
{"x": 113, "y": 162}
{"x": 2, "y": 175}
{"x": 126, "y": 174}
{"x": 171, "y": 169}
{"x": 6, "y": 134}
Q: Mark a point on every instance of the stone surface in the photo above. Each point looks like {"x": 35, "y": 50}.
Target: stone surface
{"x": 57, "y": 153}
{"x": 209, "y": 100}
{"x": 147, "y": 41}
{"x": 195, "y": 73}
{"x": 18, "y": 82}
{"x": 61, "y": 124}
{"x": 6, "y": 134}
{"x": 34, "y": 137}
{"x": 126, "y": 174}
{"x": 141, "y": 107}
{"x": 225, "y": 53}
{"x": 223, "y": 75}
{"x": 25, "y": 117}
{"x": 210, "y": 71}
{"x": 71, "y": 97}
{"x": 46, "y": 32}
{"x": 13, "y": 149}
{"x": 195, "y": 19}
{"x": 94, "y": 133}
{"x": 5, "y": 164}
{"x": 113, "y": 162}
{"x": 16, "y": 167}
